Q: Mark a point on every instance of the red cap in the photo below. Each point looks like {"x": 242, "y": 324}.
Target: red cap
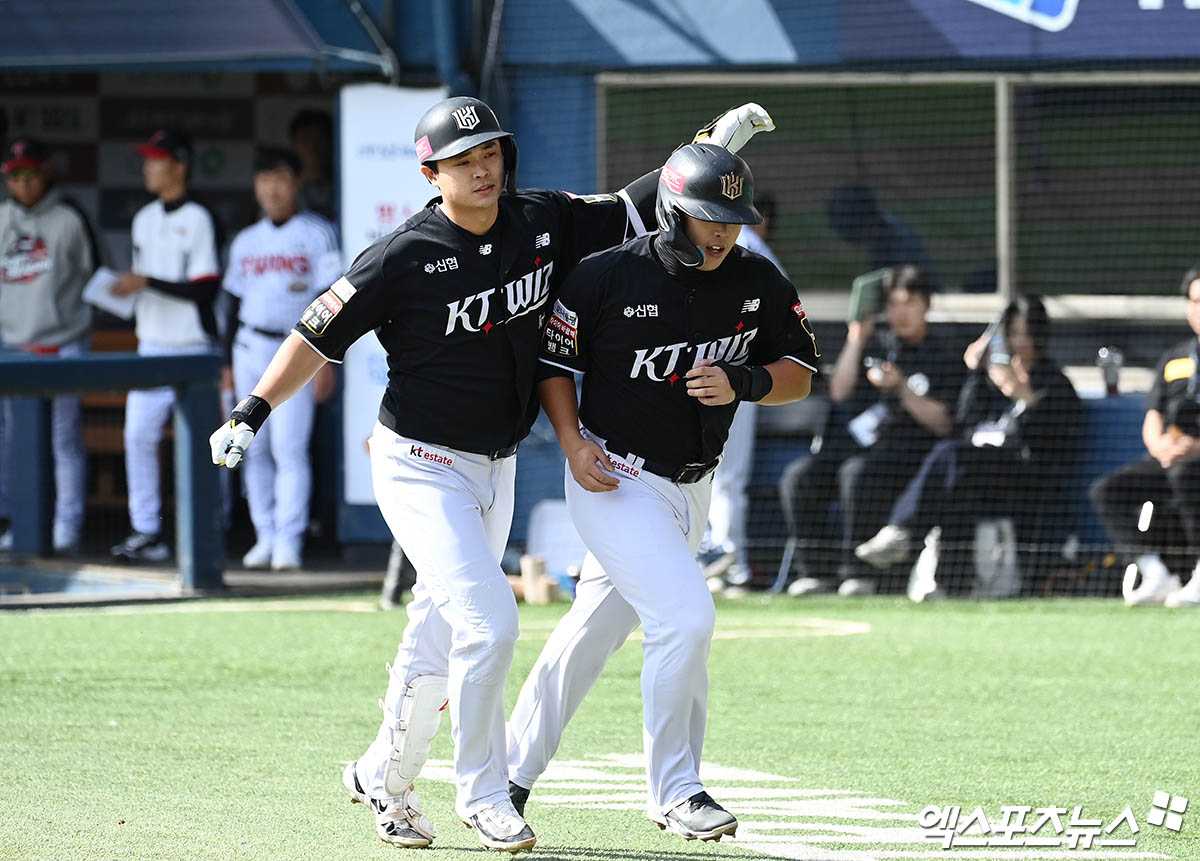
{"x": 166, "y": 143}
{"x": 24, "y": 154}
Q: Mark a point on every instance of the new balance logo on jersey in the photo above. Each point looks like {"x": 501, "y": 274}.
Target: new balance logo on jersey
{"x": 432, "y": 456}
{"x": 444, "y": 265}
{"x": 466, "y": 118}
{"x": 750, "y": 305}
{"x": 485, "y": 249}
{"x": 661, "y": 364}
{"x": 641, "y": 310}
{"x": 543, "y": 239}
{"x": 525, "y": 294}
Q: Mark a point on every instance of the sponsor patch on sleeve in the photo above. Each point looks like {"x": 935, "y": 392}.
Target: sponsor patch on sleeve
{"x": 593, "y": 198}
{"x": 562, "y": 332}
{"x": 342, "y": 289}
{"x": 798, "y": 310}
{"x": 1179, "y": 369}
{"x": 317, "y": 316}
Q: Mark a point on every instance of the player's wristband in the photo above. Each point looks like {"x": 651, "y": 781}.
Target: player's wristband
{"x": 253, "y": 410}
{"x": 749, "y": 382}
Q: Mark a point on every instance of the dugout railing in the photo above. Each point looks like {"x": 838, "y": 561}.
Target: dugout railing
{"x": 31, "y": 381}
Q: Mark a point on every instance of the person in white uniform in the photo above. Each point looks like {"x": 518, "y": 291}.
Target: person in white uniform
{"x": 175, "y": 275}
{"x": 724, "y": 551}
{"x": 277, "y": 267}
{"x": 457, "y": 296}
{"x": 671, "y": 333}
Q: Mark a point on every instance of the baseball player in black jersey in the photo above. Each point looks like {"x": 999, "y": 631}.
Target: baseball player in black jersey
{"x": 671, "y": 332}
{"x": 458, "y": 297}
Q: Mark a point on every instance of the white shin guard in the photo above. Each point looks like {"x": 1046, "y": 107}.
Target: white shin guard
{"x": 417, "y": 715}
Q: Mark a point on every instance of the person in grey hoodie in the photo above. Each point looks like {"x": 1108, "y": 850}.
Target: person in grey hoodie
{"x": 46, "y": 257}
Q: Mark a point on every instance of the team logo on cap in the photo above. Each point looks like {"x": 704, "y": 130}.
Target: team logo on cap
{"x": 466, "y": 118}
{"x": 731, "y": 185}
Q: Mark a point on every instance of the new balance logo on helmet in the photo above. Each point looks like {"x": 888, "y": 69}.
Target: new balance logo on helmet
{"x": 466, "y": 118}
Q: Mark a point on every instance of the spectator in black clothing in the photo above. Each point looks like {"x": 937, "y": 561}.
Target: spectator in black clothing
{"x": 899, "y": 385}
{"x": 855, "y": 215}
{"x": 1017, "y": 418}
{"x": 1147, "y": 503}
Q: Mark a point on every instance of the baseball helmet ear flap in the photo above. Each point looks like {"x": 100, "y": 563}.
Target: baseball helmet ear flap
{"x": 508, "y": 147}
{"x": 674, "y": 234}
{"x": 708, "y": 183}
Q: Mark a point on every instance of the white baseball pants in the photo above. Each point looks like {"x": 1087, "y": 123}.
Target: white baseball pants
{"x": 451, "y": 512}
{"x": 643, "y": 539}
{"x": 727, "y": 514}
{"x": 277, "y": 469}
{"x": 146, "y": 413}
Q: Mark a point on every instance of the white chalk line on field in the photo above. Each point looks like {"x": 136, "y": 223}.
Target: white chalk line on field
{"x": 777, "y": 818}
{"x": 533, "y": 628}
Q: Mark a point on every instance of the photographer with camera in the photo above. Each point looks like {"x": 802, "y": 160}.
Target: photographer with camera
{"x": 896, "y": 383}
{"x": 1146, "y": 505}
{"x": 1017, "y": 418}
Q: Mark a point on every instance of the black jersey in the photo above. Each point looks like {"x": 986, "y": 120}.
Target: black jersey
{"x": 1175, "y": 392}
{"x": 634, "y": 330}
{"x": 461, "y": 315}
{"x": 933, "y": 366}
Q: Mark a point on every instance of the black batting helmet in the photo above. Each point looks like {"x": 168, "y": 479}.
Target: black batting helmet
{"x": 453, "y": 126}
{"x": 709, "y": 183}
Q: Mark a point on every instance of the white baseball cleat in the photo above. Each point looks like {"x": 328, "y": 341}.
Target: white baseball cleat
{"x": 1189, "y": 595}
{"x": 697, "y": 818}
{"x": 802, "y": 586}
{"x": 501, "y": 828}
{"x": 1157, "y": 582}
{"x": 889, "y": 546}
{"x": 258, "y": 556}
{"x": 398, "y": 820}
{"x": 285, "y": 559}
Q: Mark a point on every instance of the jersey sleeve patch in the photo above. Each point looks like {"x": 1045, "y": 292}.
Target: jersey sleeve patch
{"x": 1179, "y": 369}
{"x": 593, "y": 198}
{"x": 342, "y": 289}
{"x": 562, "y": 332}
{"x": 317, "y": 316}
{"x": 798, "y": 310}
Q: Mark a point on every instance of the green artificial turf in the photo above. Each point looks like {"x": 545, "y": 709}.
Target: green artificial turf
{"x": 217, "y": 729}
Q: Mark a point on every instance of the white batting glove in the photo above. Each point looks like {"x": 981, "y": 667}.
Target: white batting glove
{"x": 736, "y": 126}
{"x": 229, "y": 443}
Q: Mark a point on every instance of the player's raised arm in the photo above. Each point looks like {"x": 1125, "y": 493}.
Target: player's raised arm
{"x": 731, "y": 130}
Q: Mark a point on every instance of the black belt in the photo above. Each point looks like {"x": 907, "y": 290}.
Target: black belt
{"x": 495, "y": 454}
{"x": 388, "y": 420}
{"x": 689, "y": 473}
{"x": 267, "y": 332}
